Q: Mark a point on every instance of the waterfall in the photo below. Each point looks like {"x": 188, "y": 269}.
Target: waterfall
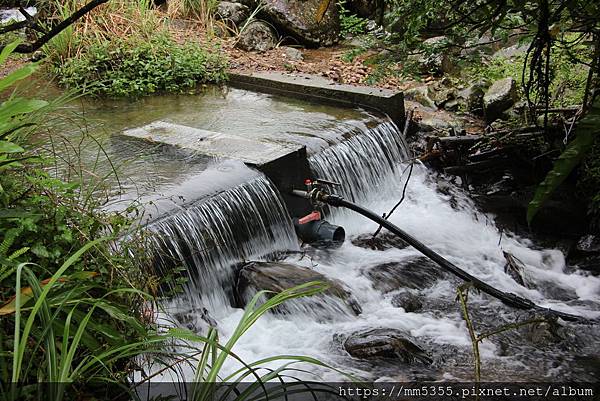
{"x": 209, "y": 237}
{"x": 362, "y": 163}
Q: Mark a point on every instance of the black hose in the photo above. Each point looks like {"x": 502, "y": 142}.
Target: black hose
{"x": 509, "y": 299}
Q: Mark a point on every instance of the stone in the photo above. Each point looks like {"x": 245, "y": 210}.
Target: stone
{"x": 385, "y": 343}
{"x": 499, "y": 98}
{"x": 436, "y": 59}
{"x": 297, "y": 18}
{"x": 385, "y": 240}
{"x": 417, "y": 273}
{"x": 234, "y": 12}
{"x": 257, "y": 36}
{"x": 589, "y": 244}
{"x": 420, "y": 94}
{"x": 292, "y": 53}
{"x": 471, "y": 99}
{"x": 279, "y": 276}
{"x": 407, "y": 301}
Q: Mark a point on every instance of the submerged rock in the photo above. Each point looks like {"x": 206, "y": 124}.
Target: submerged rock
{"x": 416, "y": 273}
{"x": 407, "y": 301}
{"x": 385, "y": 343}
{"x": 499, "y": 98}
{"x": 279, "y": 276}
{"x": 257, "y": 36}
{"x": 381, "y": 242}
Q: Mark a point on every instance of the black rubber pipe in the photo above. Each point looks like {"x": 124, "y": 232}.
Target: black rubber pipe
{"x": 509, "y": 299}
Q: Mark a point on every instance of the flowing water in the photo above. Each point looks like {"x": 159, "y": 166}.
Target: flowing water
{"x": 370, "y": 167}
{"x": 244, "y": 219}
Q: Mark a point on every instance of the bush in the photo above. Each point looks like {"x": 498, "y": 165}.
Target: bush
{"x": 129, "y": 67}
{"x": 127, "y": 48}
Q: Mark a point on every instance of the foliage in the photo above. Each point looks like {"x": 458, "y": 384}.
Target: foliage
{"x": 351, "y": 24}
{"x": 128, "y": 67}
{"x": 127, "y": 49}
{"x": 586, "y": 132}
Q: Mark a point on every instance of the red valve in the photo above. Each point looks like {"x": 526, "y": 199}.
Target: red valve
{"x": 314, "y": 216}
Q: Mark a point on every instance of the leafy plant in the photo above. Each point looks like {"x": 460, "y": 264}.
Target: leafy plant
{"x": 585, "y": 133}
{"x": 350, "y": 23}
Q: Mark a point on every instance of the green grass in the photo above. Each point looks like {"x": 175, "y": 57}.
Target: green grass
{"x": 128, "y": 49}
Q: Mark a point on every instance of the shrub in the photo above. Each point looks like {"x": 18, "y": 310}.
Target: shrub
{"x": 127, "y": 48}
{"x": 129, "y": 67}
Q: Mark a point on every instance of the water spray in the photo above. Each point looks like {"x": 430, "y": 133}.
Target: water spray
{"x": 318, "y": 195}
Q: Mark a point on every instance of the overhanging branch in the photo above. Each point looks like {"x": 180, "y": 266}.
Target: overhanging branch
{"x": 46, "y": 37}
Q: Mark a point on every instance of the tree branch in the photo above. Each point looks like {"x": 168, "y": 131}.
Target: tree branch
{"x": 32, "y": 47}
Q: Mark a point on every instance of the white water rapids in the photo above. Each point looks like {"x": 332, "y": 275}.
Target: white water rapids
{"x": 445, "y": 219}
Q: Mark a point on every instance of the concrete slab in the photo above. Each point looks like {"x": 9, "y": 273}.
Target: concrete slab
{"x": 285, "y": 164}
{"x": 316, "y": 88}
{"x": 211, "y": 143}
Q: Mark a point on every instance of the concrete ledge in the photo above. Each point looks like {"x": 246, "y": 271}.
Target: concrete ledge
{"x": 315, "y": 88}
{"x": 285, "y": 164}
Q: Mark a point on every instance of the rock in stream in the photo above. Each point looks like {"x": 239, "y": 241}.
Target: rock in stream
{"x": 385, "y": 343}
{"x": 278, "y": 276}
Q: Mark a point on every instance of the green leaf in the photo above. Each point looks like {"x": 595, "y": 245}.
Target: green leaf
{"x": 586, "y": 130}
{"x": 17, "y": 75}
{"x": 8, "y": 49}
{"x": 9, "y": 147}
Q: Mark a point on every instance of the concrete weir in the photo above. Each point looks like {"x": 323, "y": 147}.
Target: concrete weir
{"x": 319, "y": 89}
{"x": 285, "y": 164}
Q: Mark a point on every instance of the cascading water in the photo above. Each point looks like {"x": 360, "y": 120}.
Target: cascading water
{"x": 362, "y": 163}
{"x": 211, "y": 236}
{"x": 249, "y": 221}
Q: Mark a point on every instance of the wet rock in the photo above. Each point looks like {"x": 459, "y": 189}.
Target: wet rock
{"x": 416, "y": 273}
{"x": 385, "y": 343}
{"x": 258, "y": 36}
{"x": 278, "y": 276}
{"x": 234, "y": 12}
{"x": 407, "y": 301}
{"x": 292, "y": 53}
{"x": 297, "y": 19}
{"x": 589, "y": 244}
{"x": 196, "y": 319}
{"x": 586, "y": 254}
{"x": 420, "y": 94}
{"x": 499, "y": 98}
{"x": 381, "y": 242}
{"x": 543, "y": 333}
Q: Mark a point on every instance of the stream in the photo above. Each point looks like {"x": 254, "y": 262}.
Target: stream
{"x": 244, "y": 219}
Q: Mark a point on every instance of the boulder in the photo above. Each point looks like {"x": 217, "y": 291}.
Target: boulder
{"x": 298, "y": 18}
{"x": 416, "y": 273}
{"x": 499, "y": 98}
{"x": 257, "y": 36}
{"x": 292, "y": 53}
{"x": 385, "y": 343}
{"x": 279, "y": 276}
{"x": 234, "y": 12}
{"x": 407, "y": 301}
